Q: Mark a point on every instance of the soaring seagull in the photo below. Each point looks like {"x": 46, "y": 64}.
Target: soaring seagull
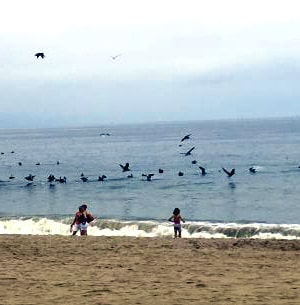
{"x": 229, "y": 174}
{"x": 188, "y": 153}
{"x": 186, "y": 137}
{"x": 116, "y": 56}
{"x": 39, "y": 55}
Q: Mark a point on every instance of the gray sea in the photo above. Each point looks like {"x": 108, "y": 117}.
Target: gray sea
{"x": 264, "y": 204}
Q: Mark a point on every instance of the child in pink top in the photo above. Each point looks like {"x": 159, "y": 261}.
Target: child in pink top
{"x": 176, "y": 218}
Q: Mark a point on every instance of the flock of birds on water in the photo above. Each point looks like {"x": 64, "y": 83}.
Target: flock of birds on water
{"x": 126, "y": 168}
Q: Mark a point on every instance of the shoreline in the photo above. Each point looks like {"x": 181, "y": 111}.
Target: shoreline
{"x": 52, "y": 269}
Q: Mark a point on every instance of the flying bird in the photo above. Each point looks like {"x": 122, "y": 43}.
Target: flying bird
{"x": 39, "y": 55}
{"x": 125, "y": 167}
{"x": 116, "y": 56}
{"x": 186, "y": 137}
{"x": 101, "y": 178}
{"x": 189, "y": 151}
{"x": 229, "y": 174}
{"x": 252, "y": 170}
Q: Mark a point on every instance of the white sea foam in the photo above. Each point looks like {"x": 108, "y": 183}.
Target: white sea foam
{"x": 45, "y": 226}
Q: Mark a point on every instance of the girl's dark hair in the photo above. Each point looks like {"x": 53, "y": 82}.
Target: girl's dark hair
{"x": 176, "y": 211}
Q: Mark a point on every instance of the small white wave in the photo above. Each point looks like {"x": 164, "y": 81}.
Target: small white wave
{"x": 45, "y": 226}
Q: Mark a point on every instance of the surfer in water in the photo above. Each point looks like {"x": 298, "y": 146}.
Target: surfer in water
{"x": 81, "y": 220}
{"x": 176, "y": 218}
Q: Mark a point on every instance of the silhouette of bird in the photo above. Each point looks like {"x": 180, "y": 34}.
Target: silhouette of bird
{"x": 180, "y": 174}
{"x": 101, "y": 178}
{"x": 186, "y": 137}
{"x": 84, "y": 179}
{"x": 39, "y": 55}
{"x": 160, "y": 170}
{"x": 149, "y": 176}
{"x": 130, "y": 176}
{"x": 203, "y": 171}
{"x": 252, "y": 170}
{"x": 29, "y": 177}
{"x": 116, "y": 56}
{"x": 229, "y": 174}
{"x": 189, "y": 151}
{"x": 194, "y": 162}
{"x": 51, "y": 178}
{"x": 61, "y": 180}
{"x": 20, "y": 163}
{"x": 11, "y": 177}
{"x": 125, "y": 167}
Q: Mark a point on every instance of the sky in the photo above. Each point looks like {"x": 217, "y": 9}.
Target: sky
{"x": 178, "y": 61}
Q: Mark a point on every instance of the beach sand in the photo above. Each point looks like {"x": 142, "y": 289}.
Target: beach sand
{"x": 123, "y": 270}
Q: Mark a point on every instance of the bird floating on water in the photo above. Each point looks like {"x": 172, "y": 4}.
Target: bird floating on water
{"x": 148, "y": 176}
{"x": 30, "y": 177}
{"x": 203, "y": 171}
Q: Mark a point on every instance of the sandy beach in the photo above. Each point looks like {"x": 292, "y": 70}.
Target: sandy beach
{"x": 123, "y": 270}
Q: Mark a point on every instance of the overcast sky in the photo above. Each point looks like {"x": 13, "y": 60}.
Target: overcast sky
{"x": 180, "y": 60}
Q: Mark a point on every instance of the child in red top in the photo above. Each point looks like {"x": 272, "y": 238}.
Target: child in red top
{"x": 81, "y": 220}
{"x": 176, "y": 218}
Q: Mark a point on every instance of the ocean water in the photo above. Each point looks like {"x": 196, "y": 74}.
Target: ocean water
{"x": 264, "y": 204}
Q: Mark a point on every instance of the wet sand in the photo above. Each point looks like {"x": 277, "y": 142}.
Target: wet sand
{"x": 122, "y": 270}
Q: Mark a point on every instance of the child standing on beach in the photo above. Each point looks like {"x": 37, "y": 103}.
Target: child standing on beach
{"x": 176, "y": 218}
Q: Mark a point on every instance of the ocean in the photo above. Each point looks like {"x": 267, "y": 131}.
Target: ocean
{"x": 264, "y": 204}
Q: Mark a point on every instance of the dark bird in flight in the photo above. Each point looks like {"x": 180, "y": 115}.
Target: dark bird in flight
{"x": 189, "y": 151}
{"x": 116, "y": 56}
{"x": 160, "y": 170}
{"x": 125, "y": 167}
{"x": 186, "y": 137}
{"x": 149, "y": 176}
{"x": 39, "y": 55}
{"x": 203, "y": 171}
{"x": 101, "y": 178}
{"x": 11, "y": 177}
{"x": 29, "y": 177}
{"x": 229, "y": 174}
{"x": 252, "y": 170}
{"x": 194, "y": 162}
{"x": 180, "y": 174}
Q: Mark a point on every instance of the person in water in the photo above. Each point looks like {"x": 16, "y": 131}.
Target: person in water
{"x": 176, "y": 218}
{"x": 81, "y": 220}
